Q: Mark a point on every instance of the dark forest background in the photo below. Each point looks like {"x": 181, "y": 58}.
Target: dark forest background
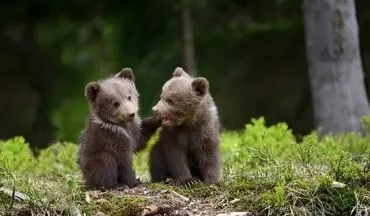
{"x": 252, "y": 52}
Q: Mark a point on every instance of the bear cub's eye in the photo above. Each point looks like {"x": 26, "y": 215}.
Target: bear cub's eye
{"x": 129, "y": 97}
{"x": 116, "y": 104}
{"x": 169, "y": 101}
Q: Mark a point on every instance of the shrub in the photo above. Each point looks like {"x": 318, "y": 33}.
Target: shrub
{"x": 57, "y": 159}
{"x": 16, "y": 156}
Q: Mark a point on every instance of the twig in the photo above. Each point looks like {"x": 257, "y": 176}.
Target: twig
{"x": 234, "y": 201}
{"x": 179, "y": 195}
{"x": 11, "y": 201}
{"x": 13, "y": 196}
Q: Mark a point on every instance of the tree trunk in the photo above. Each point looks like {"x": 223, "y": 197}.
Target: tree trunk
{"x": 335, "y": 67}
{"x": 187, "y": 43}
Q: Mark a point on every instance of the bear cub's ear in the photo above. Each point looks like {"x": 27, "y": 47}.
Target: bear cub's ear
{"x": 92, "y": 90}
{"x": 179, "y": 71}
{"x": 200, "y": 85}
{"x": 126, "y": 73}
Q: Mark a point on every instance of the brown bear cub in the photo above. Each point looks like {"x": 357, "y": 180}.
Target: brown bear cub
{"x": 188, "y": 147}
{"x": 113, "y": 132}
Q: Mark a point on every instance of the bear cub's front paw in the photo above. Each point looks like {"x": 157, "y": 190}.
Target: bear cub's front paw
{"x": 186, "y": 183}
{"x": 152, "y": 122}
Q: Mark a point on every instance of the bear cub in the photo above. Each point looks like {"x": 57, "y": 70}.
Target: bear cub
{"x": 188, "y": 147}
{"x": 113, "y": 132}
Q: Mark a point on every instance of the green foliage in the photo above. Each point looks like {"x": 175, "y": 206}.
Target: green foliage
{"x": 58, "y": 159}
{"x": 265, "y": 170}
{"x": 276, "y": 197}
{"x": 61, "y": 45}
{"x": 140, "y": 163}
{"x": 16, "y": 156}
{"x": 257, "y": 145}
{"x": 65, "y": 119}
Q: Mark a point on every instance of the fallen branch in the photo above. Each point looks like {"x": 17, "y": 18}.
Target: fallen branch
{"x": 17, "y": 195}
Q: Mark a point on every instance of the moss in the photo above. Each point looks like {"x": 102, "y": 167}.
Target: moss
{"x": 4, "y": 202}
{"x": 122, "y": 206}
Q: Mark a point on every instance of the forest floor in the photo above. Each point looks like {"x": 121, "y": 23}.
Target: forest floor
{"x": 265, "y": 171}
{"x": 306, "y": 192}
{"x": 146, "y": 199}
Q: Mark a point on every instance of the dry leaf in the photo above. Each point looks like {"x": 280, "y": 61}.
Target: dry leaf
{"x": 99, "y": 201}
{"x": 87, "y": 198}
{"x": 149, "y": 210}
{"x": 99, "y": 214}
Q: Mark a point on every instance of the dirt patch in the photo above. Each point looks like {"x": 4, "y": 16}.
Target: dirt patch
{"x": 158, "y": 202}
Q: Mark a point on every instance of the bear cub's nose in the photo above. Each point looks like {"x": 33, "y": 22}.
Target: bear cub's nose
{"x": 131, "y": 115}
{"x": 155, "y": 110}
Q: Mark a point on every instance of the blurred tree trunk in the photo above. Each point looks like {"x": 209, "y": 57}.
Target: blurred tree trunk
{"x": 187, "y": 42}
{"x": 33, "y": 62}
{"x": 335, "y": 66}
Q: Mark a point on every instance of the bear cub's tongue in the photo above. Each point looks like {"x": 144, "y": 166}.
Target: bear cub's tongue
{"x": 165, "y": 120}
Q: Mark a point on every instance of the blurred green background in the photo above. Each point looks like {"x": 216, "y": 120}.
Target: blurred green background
{"x": 252, "y": 52}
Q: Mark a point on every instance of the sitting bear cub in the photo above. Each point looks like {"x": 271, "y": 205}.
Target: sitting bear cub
{"x": 188, "y": 147}
{"x": 113, "y": 132}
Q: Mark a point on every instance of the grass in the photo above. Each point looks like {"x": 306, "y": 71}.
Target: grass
{"x": 265, "y": 172}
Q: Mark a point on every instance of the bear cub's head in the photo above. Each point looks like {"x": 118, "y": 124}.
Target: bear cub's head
{"x": 182, "y": 98}
{"x": 114, "y": 100}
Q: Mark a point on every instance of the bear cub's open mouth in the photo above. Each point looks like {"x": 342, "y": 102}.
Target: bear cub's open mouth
{"x": 165, "y": 119}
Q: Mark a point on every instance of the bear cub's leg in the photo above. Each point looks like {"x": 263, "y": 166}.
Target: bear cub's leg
{"x": 178, "y": 166}
{"x": 157, "y": 165}
{"x": 126, "y": 172}
{"x": 209, "y": 166}
{"x": 101, "y": 171}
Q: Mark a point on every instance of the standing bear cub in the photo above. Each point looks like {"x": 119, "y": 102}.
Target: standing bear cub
{"x": 188, "y": 147}
{"x": 113, "y": 132}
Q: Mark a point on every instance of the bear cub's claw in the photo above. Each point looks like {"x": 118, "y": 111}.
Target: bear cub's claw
{"x": 187, "y": 183}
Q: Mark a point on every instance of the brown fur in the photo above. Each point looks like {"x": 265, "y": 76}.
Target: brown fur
{"x": 188, "y": 146}
{"x": 113, "y": 132}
